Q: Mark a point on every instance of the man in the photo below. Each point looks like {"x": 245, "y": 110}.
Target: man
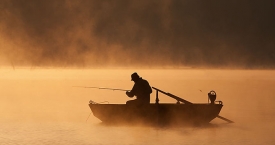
{"x": 141, "y": 90}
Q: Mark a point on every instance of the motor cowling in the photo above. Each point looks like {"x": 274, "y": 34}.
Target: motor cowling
{"x": 212, "y": 96}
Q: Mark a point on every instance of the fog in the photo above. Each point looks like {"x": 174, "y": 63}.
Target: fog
{"x": 177, "y": 33}
{"x": 41, "y": 107}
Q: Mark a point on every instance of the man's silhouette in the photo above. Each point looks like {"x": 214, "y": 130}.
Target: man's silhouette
{"x": 141, "y": 90}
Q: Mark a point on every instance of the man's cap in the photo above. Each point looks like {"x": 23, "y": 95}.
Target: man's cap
{"x": 134, "y": 75}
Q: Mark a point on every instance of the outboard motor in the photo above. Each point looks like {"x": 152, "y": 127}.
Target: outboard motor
{"x": 212, "y": 96}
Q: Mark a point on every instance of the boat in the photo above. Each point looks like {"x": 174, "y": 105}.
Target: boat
{"x": 182, "y": 112}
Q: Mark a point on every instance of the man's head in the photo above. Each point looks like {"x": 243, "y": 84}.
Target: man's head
{"x": 135, "y": 77}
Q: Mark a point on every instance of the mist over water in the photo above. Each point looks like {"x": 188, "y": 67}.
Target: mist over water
{"x": 40, "y": 106}
{"x": 91, "y": 33}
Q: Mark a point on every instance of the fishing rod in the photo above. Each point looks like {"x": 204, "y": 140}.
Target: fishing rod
{"x": 114, "y": 89}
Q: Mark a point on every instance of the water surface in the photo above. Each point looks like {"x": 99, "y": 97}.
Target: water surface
{"x": 41, "y": 106}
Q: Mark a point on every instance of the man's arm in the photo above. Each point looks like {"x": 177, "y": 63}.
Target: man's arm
{"x": 132, "y": 92}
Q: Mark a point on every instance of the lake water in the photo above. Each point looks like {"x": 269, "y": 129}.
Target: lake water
{"x": 41, "y": 106}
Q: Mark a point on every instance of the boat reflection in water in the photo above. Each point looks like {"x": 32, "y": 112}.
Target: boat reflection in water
{"x": 181, "y": 113}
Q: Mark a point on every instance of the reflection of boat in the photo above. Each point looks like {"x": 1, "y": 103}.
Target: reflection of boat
{"x": 183, "y": 112}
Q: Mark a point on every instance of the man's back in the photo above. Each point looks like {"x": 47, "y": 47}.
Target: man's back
{"x": 142, "y": 89}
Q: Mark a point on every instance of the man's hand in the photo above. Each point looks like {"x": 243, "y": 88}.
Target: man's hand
{"x": 128, "y": 94}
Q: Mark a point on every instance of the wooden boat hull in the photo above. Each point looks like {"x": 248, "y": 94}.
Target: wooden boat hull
{"x": 158, "y": 114}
